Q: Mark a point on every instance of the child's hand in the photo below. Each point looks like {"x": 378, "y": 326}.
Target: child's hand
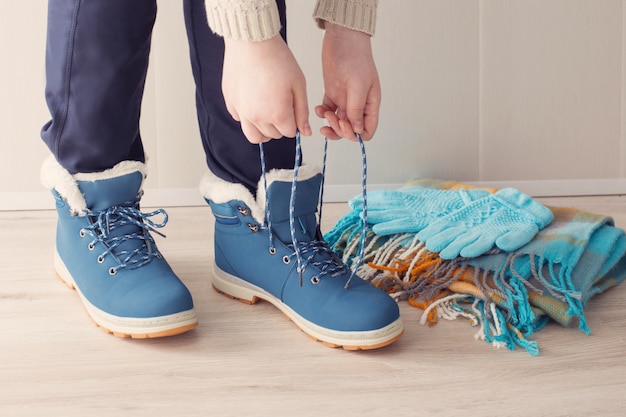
{"x": 352, "y": 94}
{"x": 264, "y": 89}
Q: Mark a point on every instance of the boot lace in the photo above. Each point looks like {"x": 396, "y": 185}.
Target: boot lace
{"x": 105, "y": 228}
{"x": 307, "y": 253}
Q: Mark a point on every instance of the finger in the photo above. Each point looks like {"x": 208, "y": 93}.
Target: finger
{"x": 517, "y": 238}
{"x": 340, "y": 124}
{"x": 355, "y": 110}
{"x": 473, "y": 249}
{"x": 272, "y": 132}
{"x": 301, "y": 112}
{"x": 370, "y": 124}
{"x": 347, "y": 131}
{"x": 253, "y": 134}
{"x": 341, "y": 114}
{"x": 326, "y": 106}
{"x": 333, "y": 130}
{"x": 369, "y": 127}
{"x": 329, "y": 133}
{"x": 372, "y": 109}
{"x": 233, "y": 112}
{"x": 332, "y": 118}
{"x": 320, "y": 110}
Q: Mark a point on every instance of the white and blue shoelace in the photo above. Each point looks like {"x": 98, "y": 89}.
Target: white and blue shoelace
{"x": 105, "y": 222}
{"x": 305, "y": 252}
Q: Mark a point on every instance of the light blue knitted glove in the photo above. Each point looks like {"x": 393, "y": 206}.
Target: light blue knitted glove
{"x": 507, "y": 219}
{"x": 412, "y": 208}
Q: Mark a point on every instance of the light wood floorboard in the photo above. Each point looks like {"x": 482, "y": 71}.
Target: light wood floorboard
{"x": 250, "y": 360}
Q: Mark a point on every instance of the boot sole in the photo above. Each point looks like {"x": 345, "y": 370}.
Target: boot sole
{"x": 136, "y": 328}
{"x": 247, "y": 293}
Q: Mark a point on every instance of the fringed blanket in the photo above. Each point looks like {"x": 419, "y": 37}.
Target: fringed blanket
{"x": 507, "y": 296}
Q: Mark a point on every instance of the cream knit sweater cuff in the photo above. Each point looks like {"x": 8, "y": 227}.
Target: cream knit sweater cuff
{"x": 354, "y": 14}
{"x": 244, "y": 20}
{"x": 258, "y": 20}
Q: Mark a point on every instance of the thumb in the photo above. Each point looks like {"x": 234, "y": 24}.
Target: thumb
{"x": 301, "y": 111}
{"x": 355, "y": 108}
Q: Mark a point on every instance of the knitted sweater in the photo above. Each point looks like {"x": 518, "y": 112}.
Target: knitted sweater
{"x": 256, "y": 20}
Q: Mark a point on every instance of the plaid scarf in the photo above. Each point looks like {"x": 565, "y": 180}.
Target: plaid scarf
{"x": 507, "y": 296}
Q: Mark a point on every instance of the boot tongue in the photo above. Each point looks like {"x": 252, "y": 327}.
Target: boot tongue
{"x": 103, "y": 194}
{"x": 305, "y": 208}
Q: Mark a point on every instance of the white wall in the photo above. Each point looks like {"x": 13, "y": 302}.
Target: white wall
{"x": 528, "y": 93}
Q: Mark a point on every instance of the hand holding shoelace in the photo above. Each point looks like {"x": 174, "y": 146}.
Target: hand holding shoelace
{"x": 352, "y": 91}
{"x": 265, "y": 89}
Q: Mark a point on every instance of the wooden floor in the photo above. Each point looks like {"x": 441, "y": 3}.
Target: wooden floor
{"x": 251, "y": 361}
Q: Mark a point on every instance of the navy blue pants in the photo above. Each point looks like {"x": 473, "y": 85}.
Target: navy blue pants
{"x": 96, "y": 62}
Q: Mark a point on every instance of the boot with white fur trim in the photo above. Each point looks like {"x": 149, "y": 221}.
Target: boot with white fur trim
{"x": 105, "y": 251}
{"x": 255, "y": 259}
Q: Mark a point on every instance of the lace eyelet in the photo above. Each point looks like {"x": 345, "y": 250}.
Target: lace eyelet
{"x": 100, "y": 259}
{"x": 91, "y": 246}
{"x": 82, "y": 233}
{"x": 244, "y": 211}
{"x": 112, "y": 271}
{"x": 253, "y": 227}
{"x": 315, "y": 280}
{"x": 286, "y": 260}
{"x": 272, "y": 250}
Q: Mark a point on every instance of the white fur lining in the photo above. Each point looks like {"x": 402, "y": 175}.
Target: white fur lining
{"x": 305, "y": 172}
{"x": 220, "y": 191}
{"x": 119, "y": 170}
{"x": 53, "y": 175}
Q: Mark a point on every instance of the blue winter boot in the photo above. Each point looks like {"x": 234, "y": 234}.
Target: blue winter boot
{"x": 256, "y": 259}
{"x": 105, "y": 251}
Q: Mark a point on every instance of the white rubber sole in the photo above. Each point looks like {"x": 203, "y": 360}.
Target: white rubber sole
{"x": 138, "y": 328}
{"x": 236, "y": 288}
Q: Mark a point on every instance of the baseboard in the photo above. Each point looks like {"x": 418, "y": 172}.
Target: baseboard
{"x": 535, "y": 188}
{"x": 156, "y": 197}
{"x": 562, "y": 188}
{"x": 171, "y": 197}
